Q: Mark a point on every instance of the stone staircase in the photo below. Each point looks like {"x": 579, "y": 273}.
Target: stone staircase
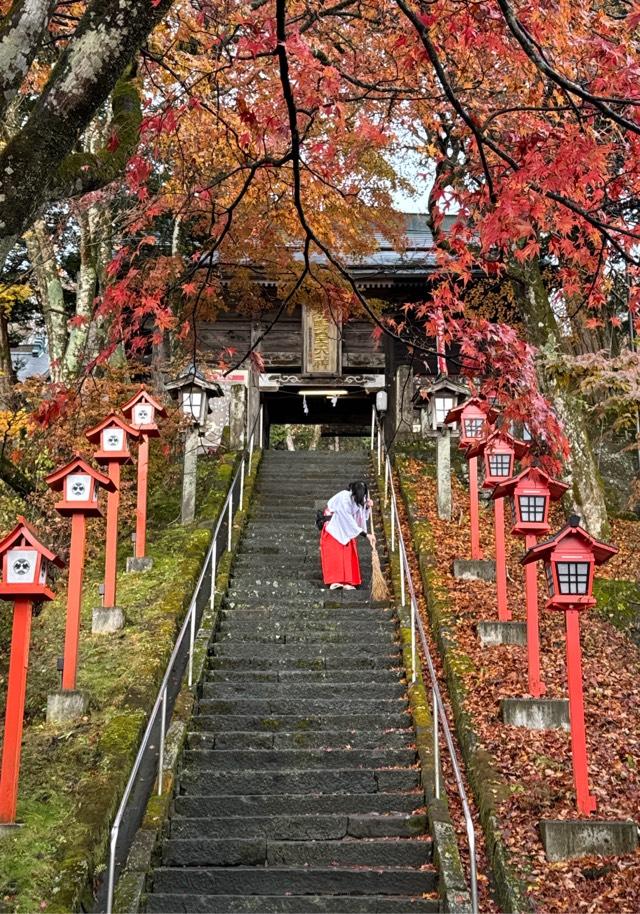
{"x": 299, "y": 788}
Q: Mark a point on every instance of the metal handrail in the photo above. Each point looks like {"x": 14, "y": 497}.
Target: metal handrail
{"x": 438, "y": 712}
{"x": 189, "y": 624}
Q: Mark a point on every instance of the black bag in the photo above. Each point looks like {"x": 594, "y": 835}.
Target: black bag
{"x": 321, "y": 519}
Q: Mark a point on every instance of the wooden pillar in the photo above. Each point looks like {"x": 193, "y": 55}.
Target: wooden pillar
{"x": 141, "y": 503}
{"x": 14, "y": 716}
{"x": 586, "y": 801}
{"x": 111, "y": 542}
{"x": 74, "y": 601}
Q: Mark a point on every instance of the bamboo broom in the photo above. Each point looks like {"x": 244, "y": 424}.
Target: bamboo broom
{"x": 379, "y": 590}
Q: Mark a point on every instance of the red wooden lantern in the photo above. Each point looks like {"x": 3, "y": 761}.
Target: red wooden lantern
{"x": 530, "y": 493}
{"x": 474, "y": 416}
{"x": 25, "y": 569}
{"x": 112, "y": 435}
{"x": 569, "y": 560}
{"x": 79, "y": 483}
{"x": 142, "y": 410}
{"x": 25, "y": 565}
{"x": 499, "y": 452}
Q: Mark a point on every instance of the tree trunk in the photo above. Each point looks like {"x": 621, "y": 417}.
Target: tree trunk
{"x": 542, "y": 331}
{"x": 45, "y": 267}
{"x": 7, "y": 374}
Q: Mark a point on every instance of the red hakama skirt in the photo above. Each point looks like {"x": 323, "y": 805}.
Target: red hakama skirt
{"x": 340, "y": 563}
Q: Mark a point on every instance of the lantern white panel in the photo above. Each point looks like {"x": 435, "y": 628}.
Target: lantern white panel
{"x": 192, "y": 403}
{"x": 21, "y": 566}
{"x": 113, "y": 439}
{"x": 143, "y": 414}
{"x": 78, "y": 487}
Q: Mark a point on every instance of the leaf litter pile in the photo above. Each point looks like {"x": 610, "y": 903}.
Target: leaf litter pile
{"x": 536, "y": 765}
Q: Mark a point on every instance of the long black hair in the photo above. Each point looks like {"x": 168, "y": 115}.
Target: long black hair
{"x": 359, "y": 492}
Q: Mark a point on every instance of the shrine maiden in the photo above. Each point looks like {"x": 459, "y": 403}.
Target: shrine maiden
{"x": 349, "y": 512}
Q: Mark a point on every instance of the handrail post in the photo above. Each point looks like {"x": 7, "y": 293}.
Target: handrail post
{"x": 387, "y": 470}
{"x": 373, "y": 424}
{"x": 230, "y": 521}
{"x": 392, "y": 518}
{"x": 253, "y": 434}
{"x": 163, "y": 727}
{"x": 192, "y": 640}
{"x": 403, "y": 598}
{"x": 379, "y": 448}
{"x": 414, "y": 665}
{"x": 261, "y": 435}
{"x": 214, "y": 556}
{"x": 436, "y": 743}
{"x": 242, "y": 485}
{"x": 115, "y": 831}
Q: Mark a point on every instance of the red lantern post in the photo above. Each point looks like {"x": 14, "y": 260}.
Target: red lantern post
{"x": 141, "y": 411}
{"x": 530, "y": 493}
{"x": 499, "y": 451}
{"x": 113, "y": 435}
{"x": 475, "y": 417}
{"x": 569, "y": 559}
{"x": 25, "y": 563}
{"x": 79, "y": 483}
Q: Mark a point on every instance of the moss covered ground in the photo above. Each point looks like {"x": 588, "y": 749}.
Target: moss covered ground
{"x": 72, "y": 777}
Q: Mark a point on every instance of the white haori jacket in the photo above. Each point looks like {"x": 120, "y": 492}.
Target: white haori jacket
{"x": 349, "y": 519}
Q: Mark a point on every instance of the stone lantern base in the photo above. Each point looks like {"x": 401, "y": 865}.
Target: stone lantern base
{"x": 569, "y": 838}
{"x": 66, "y": 706}
{"x": 107, "y": 620}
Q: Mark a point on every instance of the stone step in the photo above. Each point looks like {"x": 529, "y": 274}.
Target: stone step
{"x": 306, "y": 706}
{"x": 292, "y": 616}
{"x": 225, "y": 662}
{"x": 374, "y": 806}
{"x": 298, "y": 759}
{"x": 260, "y": 851}
{"x": 290, "y": 904}
{"x": 333, "y": 780}
{"x": 382, "y": 640}
{"x": 247, "y": 880}
{"x": 242, "y": 626}
{"x": 260, "y": 652}
{"x": 314, "y": 739}
{"x": 286, "y": 690}
{"x": 293, "y": 723}
{"x": 312, "y": 828}
{"x": 304, "y": 676}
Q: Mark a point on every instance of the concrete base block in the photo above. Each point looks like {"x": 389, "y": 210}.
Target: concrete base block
{"x": 136, "y": 564}
{"x": 64, "y": 707}
{"x": 7, "y": 829}
{"x": 107, "y": 620}
{"x": 536, "y": 713}
{"x": 474, "y": 569}
{"x": 564, "y": 840}
{"x": 494, "y": 633}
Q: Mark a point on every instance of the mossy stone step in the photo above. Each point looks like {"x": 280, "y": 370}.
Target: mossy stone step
{"x": 302, "y": 676}
{"x": 244, "y": 880}
{"x": 257, "y": 851}
{"x": 315, "y": 739}
{"x": 250, "y": 807}
{"x": 309, "y": 827}
{"x": 261, "y": 652}
{"x": 292, "y": 723}
{"x": 386, "y": 640}
{"x": 298, "y": 759}
{"x": 304, "y": 690}
{"x": 291, "y": 904}
{"x": 305, "y": 706}
{"x": 314, "y": 662}
{"x": 333, "y": 780}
